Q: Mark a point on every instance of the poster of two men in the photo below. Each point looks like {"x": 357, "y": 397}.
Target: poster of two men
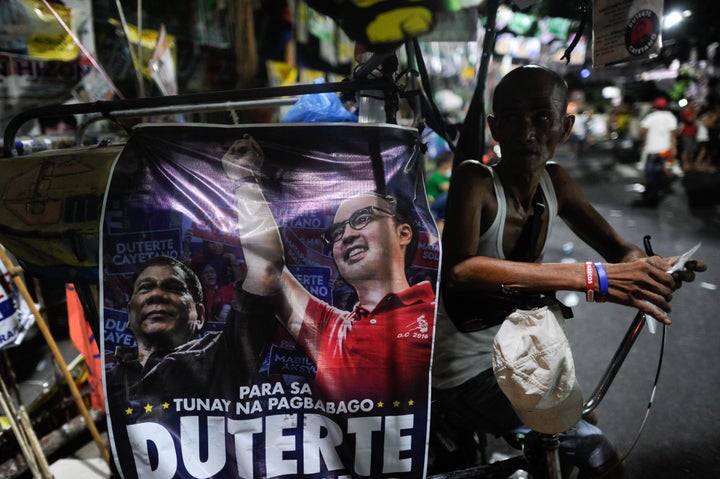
{"x": 268, "y": 302}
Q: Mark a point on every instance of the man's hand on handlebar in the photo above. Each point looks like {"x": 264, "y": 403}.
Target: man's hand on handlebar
{"x": 647, "y": 285}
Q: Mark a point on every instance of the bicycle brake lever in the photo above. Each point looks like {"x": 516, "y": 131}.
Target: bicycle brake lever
{"x": 651, "y": 322}
{"x": 648, "y": 247}
{"x": 679, "y": 265}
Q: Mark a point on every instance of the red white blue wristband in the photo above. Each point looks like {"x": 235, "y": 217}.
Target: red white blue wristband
{"x": 589, "y": 282}
{"x": 603, "y": 282}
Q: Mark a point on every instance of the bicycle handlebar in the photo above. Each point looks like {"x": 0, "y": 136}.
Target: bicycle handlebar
{"x": 622, "y": 351}
{"x": 616, "y": 362}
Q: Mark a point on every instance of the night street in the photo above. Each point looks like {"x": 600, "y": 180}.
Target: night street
{"x": 680, "y": 438}
{"x": 224, "y": 227}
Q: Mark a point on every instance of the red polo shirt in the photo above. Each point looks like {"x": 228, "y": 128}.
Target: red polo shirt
{"x": 382, "y": 354}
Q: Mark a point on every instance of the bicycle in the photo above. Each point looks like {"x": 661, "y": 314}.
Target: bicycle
{"x": 546, "y": 463}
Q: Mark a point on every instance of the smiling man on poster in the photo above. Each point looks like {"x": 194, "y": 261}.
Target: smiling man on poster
{"x": 380, "y": 349}
{"x": 378, "y": 354}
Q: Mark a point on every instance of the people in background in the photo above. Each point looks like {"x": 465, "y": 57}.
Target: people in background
{"x": 438, "y": 184}
{"x": 701, "y": 161}
{"x": 711, "y": 120}
{"x": 61, "y": 130}
{"x": 688, "y": 135}
{"x": 217, "y": 294}
{"x": 64, "y": 125}
{"x": 580, "y": 133}
{"x": 658, "y": 134}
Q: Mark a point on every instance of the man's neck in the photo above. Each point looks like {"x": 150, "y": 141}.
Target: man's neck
{"x": 520, "y": 185}
{"x": 147, "y": 350}
{"x": 371, "y": 292}
{"x": 144, "y": 352}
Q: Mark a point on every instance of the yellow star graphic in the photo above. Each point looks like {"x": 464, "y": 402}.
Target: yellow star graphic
{"x": 166, "y": 405}
{"x": 411, "y": 402}
{"x": 129, "y": 411}
{"x": 381, "y": 404}
{"x": 396, "y": 403}
{"x": 148, "y": 408}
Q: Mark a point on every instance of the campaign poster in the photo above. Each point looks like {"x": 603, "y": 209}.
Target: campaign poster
{"x": 307, "y": 351}
{"x": 625, "y": 31}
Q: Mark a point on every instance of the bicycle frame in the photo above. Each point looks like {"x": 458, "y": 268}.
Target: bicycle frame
{"x": 550, "y": 442}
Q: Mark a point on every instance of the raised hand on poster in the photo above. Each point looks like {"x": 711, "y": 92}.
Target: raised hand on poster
{"x": 243, "y": 158}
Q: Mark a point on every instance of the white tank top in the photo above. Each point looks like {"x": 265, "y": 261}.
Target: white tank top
{"x": 491, "y": 242}
{"x": 460, "y": 356}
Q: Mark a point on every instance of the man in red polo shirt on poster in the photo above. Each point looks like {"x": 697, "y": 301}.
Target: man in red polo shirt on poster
{"x": 381, "y": 349}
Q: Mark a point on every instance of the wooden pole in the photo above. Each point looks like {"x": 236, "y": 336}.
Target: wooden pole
{"x": 22, "y": 438}
{"x": 45, "y": 330}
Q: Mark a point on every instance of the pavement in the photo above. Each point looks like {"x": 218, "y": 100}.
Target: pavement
{"x": 669, "y": 429}
{"x": 85, "y": 463}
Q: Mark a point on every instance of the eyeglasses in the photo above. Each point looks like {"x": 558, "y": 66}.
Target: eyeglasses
{"x": 357, "y": 221}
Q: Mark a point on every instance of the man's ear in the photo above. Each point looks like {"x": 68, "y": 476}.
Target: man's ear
{"x": 200, "y": 321}
{"x": 406, "y": 234}
{"x": 568, "y": 123}
{"x": 491, "y": 125}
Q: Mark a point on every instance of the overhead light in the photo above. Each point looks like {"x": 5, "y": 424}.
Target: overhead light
{"x": 674, "y": 18}
{"x": 610, "y": 92}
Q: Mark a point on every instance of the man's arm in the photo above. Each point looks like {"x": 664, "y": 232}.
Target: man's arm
{"x": 258, "y": 232}
{"x": 471, "y": 193}
{"x": 260, "y": 237}
{"x": 634, "y": 278}
{"x": 297, "y": 299}
{"x": 632, "y": 282}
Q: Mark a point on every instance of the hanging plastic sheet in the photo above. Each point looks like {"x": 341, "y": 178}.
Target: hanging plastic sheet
{"x": 335, "y": 388}
{"x": 50, "y": 210}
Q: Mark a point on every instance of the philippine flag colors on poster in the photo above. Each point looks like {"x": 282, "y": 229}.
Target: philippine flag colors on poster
{"x": 269, "y": 302}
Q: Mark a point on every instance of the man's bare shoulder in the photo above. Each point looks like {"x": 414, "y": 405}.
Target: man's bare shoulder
{"x": 471, "y": 178}
{"x": 472, "y": 170}
{"x": 558, "y": 174}
{"x": 566, "y": 189}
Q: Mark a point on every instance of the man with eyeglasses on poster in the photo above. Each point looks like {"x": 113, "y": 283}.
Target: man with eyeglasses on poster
{"x": 381, "y": 348}
{"x": 370, "y": 362}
